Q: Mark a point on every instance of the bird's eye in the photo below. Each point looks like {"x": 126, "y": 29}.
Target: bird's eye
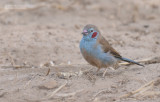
{"x": 91, "y": 30}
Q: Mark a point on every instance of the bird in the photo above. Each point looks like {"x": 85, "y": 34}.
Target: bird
{"x": 97, "y": 51}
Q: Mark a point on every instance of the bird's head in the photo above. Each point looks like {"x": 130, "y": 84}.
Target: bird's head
{"x": 90, "y": 32}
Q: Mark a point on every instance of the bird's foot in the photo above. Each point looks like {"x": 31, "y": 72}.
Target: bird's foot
{"x": 104, "y": 73}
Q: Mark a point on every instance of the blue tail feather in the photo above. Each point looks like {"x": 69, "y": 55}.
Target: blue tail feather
{"x": 130, "y": 61}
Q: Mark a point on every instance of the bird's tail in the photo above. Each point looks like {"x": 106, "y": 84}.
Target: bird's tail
{"x": 130, "y": 61}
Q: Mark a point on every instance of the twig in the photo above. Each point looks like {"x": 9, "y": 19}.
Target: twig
{"x": 58, "y": 89}
{"x": 29, "y": 81}
{"x": 68, "y": 94}
{"x": 151, "y": 93}
{"x": 142, "y": 89}
{"x": 99, "y": 92}
{"x": 48, "y": 72}
{"x": 66, "y": 75}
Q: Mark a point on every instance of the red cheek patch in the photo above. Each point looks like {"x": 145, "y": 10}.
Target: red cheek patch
{"x": 94, "y": 34}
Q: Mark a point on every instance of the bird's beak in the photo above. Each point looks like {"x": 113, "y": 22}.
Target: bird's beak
{"x": 85, "y": 32}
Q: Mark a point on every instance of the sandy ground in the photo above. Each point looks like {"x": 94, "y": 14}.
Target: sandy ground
{"x": 45, "y": 38}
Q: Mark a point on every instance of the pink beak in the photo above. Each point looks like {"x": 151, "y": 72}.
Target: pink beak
{"x": 85, "y": 32}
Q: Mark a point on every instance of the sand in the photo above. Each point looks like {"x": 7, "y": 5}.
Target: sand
{"x": 40, "y": 59}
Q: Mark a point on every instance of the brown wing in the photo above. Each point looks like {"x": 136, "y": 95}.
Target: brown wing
{"x": 107, "y": 47}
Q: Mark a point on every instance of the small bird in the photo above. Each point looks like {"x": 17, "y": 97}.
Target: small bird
{"x": 97, "y": 51}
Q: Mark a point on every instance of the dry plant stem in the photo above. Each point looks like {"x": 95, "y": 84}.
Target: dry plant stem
{"x": 151, "y": 93}
{"x": 29, "y": 81}
{"x": 99, "y": 92}
{"x": 58, "y": 89}
{"x": 136, "y": 91}
{"x": 48, "y": 72}
{"x": 104, "y": 73}
{"x": 68, "y": 94}
{"x": 142, "y": 89}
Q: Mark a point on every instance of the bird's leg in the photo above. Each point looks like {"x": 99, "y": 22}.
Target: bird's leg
{"x": 98, "y": 70}
{"x": 104, "y": 73}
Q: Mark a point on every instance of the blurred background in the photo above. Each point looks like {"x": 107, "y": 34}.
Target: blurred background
{"x": 33, "y": 32}
{"x": 37, "y": 35}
